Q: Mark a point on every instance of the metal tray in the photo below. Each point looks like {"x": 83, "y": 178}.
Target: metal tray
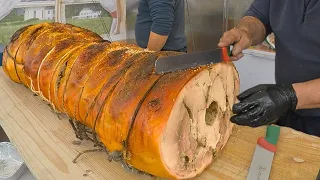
{"x": 12, "y": 165}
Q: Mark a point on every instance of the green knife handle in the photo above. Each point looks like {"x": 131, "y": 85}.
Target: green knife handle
{"x": 229, "y": 51}
{"x": 272, "y": 134}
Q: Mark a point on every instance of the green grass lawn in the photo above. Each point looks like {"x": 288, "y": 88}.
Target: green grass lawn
{"x": 94, "y": 25}
{"x": 9, "y": 28}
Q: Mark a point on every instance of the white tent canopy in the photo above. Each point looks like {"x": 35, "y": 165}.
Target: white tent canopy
{"x": 6, "y": 6}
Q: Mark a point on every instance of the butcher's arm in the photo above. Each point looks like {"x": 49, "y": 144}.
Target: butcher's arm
{"x": 308, "y": 94}
{"x": 162, "y": 13}
{"x": 251, "y": 30}
{"x": 156, "y": 41}
{"x": 254, "y": 27}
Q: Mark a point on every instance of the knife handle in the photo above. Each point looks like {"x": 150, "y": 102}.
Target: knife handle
{"x": 272, "y": 135}
{"x": 226, "y": 53}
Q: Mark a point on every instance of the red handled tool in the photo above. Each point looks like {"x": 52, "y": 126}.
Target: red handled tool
{"x": 191, "y": 60}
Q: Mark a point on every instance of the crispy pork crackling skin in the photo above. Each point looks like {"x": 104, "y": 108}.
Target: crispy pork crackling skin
{"x": 168, "y": 125}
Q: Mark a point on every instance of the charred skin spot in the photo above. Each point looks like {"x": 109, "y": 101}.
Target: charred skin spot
{"x": 154, "y": 103}
{"x": 65, "y": 43}
{"x": 61, "y": 74}
{"x": 95, "y": 48}
{"x": 33, "y": 36}
{"x": 114, "y": 57}
{"x": 59, "y": 29}
{"x": 133, "y": 76}
{"x": 17, "y": 34}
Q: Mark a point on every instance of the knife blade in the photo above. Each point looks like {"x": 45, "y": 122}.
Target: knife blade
{"x": 263, "y": 155}
{"x": 191, "y": 60}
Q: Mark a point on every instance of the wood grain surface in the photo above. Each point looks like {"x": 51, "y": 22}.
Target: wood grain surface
{"x": 46, "y": 142}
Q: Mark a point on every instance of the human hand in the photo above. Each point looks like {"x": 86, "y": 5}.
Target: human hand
{"x": 263, "y": 104}
{"x": 239, "y": 38}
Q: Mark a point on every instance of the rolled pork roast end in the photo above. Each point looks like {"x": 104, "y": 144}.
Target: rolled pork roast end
{"x": 199, "y": 124}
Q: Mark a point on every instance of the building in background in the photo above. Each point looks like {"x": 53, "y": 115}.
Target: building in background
{"x": 41, "y": 13}
{"x": 87, "y": 13}
{"x": 104, "y": 17}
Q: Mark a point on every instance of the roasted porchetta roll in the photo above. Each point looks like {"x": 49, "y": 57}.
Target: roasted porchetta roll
{"x": 166, "y": 125}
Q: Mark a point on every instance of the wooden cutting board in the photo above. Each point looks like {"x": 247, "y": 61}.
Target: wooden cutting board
{"x": 45, "y": 141}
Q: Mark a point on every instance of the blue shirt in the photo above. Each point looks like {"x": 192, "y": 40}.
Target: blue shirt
{"x": 163, "y": 17}
{"x": 296, "y": 26}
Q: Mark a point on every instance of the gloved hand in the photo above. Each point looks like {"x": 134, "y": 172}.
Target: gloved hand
{"x": 264, "y": 104}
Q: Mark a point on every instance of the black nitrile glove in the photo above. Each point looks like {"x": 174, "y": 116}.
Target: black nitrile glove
{"x": 264, "y": 104}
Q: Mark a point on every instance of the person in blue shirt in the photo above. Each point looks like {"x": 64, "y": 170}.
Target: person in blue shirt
{"x": 294, "y": 100}
{"x": 160, "y": 25}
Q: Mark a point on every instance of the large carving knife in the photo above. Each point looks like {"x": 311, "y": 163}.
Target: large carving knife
{"x": 191, "y": 60}
{"x": 263, "y": 156}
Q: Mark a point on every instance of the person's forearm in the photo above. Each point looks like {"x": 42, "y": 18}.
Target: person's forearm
{"x": 254, "y": 28}
{"x": 308, "y": 94}
{"x": 156, "y": 41}
{"x": 162, "y": 13}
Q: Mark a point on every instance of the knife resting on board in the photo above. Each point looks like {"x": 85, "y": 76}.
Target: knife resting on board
{"x": 263, "y": 155}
